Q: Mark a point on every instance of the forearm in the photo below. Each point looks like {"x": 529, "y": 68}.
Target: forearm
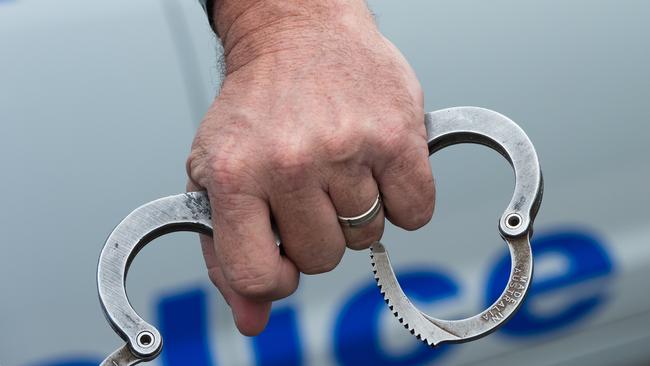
{"x": 251, "y": 28}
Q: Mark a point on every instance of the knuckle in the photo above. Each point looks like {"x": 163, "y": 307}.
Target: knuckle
{"x": 219, "y": 160}
{"x": 291, "y": 161}
{"x": 409, "y": 157}
{"x": 252, "y": 283}
{"x": 227, "y": 172}
{"x": 365, "y": 242}
{"x": 364, "y": 237}
{"x": 319, "y": 268}
{"x": 415, "y": 221}
{"x": 195, "y": 164}
{"x": 394, "y": 141}
{"x": 417, "y": 215}
{"x": 344, "y": 145}
{"x": 416, "y": 191}
{"x": 399, "y": 131}
{"x": 322, "y": 265}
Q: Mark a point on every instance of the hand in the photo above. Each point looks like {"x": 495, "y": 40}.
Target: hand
{"x": 317, "y": 114}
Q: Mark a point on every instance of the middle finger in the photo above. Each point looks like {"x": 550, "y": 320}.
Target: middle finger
{"x": 309, "y": 228}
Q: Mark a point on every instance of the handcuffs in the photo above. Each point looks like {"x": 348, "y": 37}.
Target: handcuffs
{"x": 191, "y": 212}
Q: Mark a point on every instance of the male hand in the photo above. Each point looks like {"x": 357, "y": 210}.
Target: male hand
{"x": 318, "y": 114}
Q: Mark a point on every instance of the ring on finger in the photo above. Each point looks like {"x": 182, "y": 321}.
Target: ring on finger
{"x": 365, "y": 218}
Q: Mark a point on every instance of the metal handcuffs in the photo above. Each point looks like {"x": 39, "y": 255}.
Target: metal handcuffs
{"x": 191, "y": 212}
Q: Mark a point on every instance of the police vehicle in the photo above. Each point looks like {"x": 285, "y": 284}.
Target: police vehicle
{"x": 99, "y": 102}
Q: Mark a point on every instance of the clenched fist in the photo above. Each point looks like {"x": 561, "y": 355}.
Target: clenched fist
{"x": 318, "y": 114}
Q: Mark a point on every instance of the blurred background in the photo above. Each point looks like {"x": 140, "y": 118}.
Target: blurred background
{"x": 99, "y": 101}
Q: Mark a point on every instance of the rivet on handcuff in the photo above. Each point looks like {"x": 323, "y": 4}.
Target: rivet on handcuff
{"x": 191, "y": 212}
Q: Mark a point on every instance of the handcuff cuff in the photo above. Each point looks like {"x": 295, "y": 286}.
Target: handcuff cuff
{"x": 191, "y": 212}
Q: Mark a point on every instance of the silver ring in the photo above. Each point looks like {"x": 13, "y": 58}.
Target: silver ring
{"x": 365, "y": 218}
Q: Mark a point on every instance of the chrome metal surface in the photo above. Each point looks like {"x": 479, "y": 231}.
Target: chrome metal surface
{"x": 122, "y": 357}
{"x": 365, "y": 218}
{"x": 184, "y": 212}
{"x": 191, "y": 212}
{"x": 476, "y": 125}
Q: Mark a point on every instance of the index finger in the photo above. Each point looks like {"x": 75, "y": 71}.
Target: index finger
{"x": 246, "y": 248}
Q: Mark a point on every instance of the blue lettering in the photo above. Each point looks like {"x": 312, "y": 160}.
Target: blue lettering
{"x": 183, "y": 317}
{"x": 183, "y": 325}
{"x": 585, "y": 259}
{"x": 184, "y": 321}
{"x": 356, "y": 335}
{"x": 279, "y": 344}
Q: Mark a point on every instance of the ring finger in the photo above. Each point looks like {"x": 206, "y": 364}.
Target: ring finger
{"x": 354, "y": 196}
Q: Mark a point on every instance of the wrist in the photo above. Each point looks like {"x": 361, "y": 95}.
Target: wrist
{"x": 250, "y": 29}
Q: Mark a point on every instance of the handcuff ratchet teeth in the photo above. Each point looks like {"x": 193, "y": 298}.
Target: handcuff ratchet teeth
{"x": 481, "y": 126}
{"x": 191, "y": 212}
